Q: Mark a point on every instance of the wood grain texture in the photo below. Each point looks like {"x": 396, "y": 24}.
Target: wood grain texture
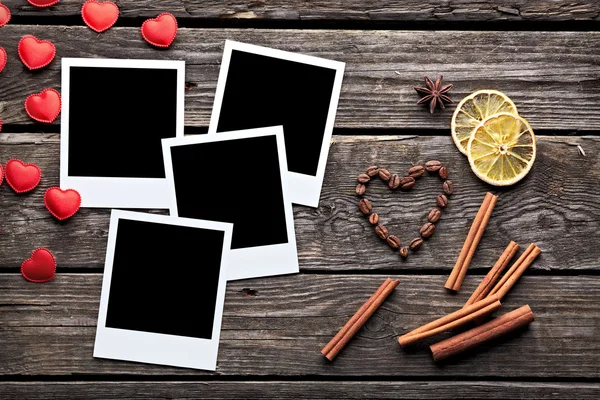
{"x": 557, "y": 206}
{"x": 277, "y": 326}
{"x": 120, "y": 390}
{"x": 553, "y": 77}
{"x": 353, "y": 10}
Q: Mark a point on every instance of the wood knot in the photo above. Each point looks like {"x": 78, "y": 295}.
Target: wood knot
{"x": 249, "y": 292}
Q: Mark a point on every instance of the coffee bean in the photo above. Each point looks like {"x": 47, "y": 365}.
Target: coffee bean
{"x": 444, "y": 173}
{"x": 372, "y": 171}
{"x": 394, "y": 182}
{"x": 448, "y": 187}
{"x": 441, "y": 200}
{"x": 427, "y": 230}
{"x": 381, "y": 231}
{"x": 360, "y": 189}
{"x": 434, "y": 215}
{"x": 416, "y": 171}
{"x": 415, "y": 244}
{"x": 365, "y": 206}
{"x": 393, "y": 241}
{"x": 404, "y": 252}
{"x": 363, "y": 178}
{"x": 374, "y": 219}
{"x": 384, "y": 174}
{"x": 433, "y": 166}
{"x": 407, "y": 182}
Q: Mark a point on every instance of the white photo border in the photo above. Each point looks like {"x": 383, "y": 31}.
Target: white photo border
{"x": 156, "y": 348}
{"x": 109, "y": 192}
{"x": 303, "y": 189}
{"x": 252, "y": 262}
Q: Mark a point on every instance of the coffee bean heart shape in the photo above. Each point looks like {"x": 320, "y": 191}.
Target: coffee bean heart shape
{"x": 41, "y": 267}
{"x": 4, "y": 15}
{"x": 62, "y": 204}
{"x": 43, "y": 3}
{"x": 35, "y": 53}
{"x": 22, "y": 177}
{"x": 3, "y": 58}
{"x": 160, "y": 31}
{"x": 395, "y": 182}
{"x": 99, "y": 16}
{"x": 44, "y": 106}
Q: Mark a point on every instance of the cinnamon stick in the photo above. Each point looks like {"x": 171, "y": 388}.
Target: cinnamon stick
{"x": 333, "y": 348}
{"x": 495, "y": 328}
{"x": 451, "y": 321}
{"x": 515, "y": 271}
{"x": 490, "y": 279}
{"x": 480, "y": 222}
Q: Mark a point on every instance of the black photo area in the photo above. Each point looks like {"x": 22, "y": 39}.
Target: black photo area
{"x": 265, "y": 91}
{"x": 165, "y": 279}
{"x": 117, "y": 118}
{"x": 236, "y": 181}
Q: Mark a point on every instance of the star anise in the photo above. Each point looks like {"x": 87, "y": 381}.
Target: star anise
{"x": 434, "y": 94}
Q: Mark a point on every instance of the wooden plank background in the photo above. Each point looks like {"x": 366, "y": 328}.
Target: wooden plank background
{"x": 542, "y": 53}
{"x": 553, "y": 77}
{"x": 339, "y": 10}
{"x": 276, "y": 327}
{"x": 551, "y": 208}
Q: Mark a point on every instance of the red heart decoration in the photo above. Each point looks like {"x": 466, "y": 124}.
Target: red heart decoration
{"x": 2, "y": 58}
{"x": 4, "y": 15}
{"x": 22, "y": 177}
{"x": 43, "y": 3}
{"x": 1, "y": 171}
{"x": 62, "y": 204}
{"x": 44, "y": 106}
{"x": 41, "y": 267}
{"x": 99, "y": 16}
{"x": 35, "y": 53}
{"x": 160, "y": 31}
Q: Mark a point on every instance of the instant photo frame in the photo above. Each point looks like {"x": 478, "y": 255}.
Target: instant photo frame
{"x": 260, "y": 86}
{"x": 114, "y": 114}
{"x": 163, "y": 290}
{"x": 237, "y": 177}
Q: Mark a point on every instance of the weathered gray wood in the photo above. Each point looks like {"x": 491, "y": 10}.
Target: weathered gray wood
{"x": 354, "y": 10}
{"x": 557, "y": 207}
{"x": 553, "y": 77}
{"x": 297, "y": 390}
{"x": 280, "y": 328}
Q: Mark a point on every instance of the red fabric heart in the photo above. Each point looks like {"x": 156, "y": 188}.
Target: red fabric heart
{"x": 35, "y": 53}
{"x": 62, "y": 204}
{"x": 44, "y": 106}
{"x": 160, "y": 31}
{"x": 99, "y": 16}
{"x": 41, "y": 267}
{"x": 43, "y": 3}
{"x": 2, "y": 58}
{"x": 22, "y": 177}
{"x": 4, "y": 15}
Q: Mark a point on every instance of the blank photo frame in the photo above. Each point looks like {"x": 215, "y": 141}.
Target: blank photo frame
{"x": 237, "y": 177}
{"x": 260, "y": 87}
{"x": 114, "y": 115}
{"x": 163, "y": 290}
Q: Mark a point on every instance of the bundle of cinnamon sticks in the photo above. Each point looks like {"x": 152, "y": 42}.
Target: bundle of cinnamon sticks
{"x": 484, "y": 300}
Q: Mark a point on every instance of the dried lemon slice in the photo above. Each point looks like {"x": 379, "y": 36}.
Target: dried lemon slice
{"x": 501, "y": 149}
{"x": 475, "y": 108}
